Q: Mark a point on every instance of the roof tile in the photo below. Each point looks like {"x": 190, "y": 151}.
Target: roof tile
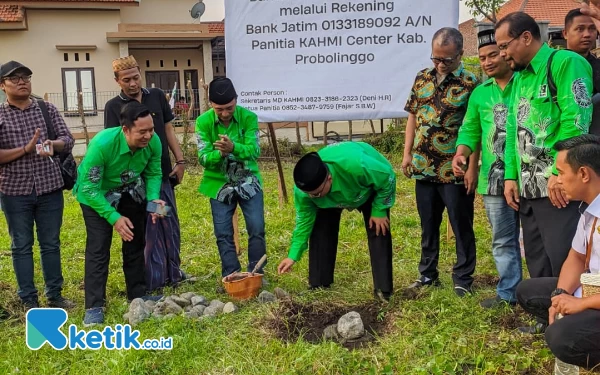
{"x": 11, "y": 13}
{"x": 542, "y": 10}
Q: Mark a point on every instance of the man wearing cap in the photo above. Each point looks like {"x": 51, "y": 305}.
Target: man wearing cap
{"x": 163, "y": 242}
{"x": 31, "y": 184}
{"x": 350, "y": 175}
{"x": 228, "y": 149}
{"x": 436, "y": 107}
{"x": 484, "y": 128}
{"x": 119, "y": 174}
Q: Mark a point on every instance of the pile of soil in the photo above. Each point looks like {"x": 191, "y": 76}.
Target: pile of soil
{"x": 291, "y": 320}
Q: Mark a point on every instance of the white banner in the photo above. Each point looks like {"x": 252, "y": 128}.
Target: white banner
{"x": 324, "y": 60}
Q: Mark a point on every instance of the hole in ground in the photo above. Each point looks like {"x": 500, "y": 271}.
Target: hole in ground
{"x": 292, "y": 320}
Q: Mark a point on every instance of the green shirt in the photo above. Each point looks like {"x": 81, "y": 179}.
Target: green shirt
{"x": 238, "y": 172}
{"x": 358, "y": 172}
{"x": 109, "y": 166}
{"x": 485, "y": 125}
{"x": 536, "y": 123}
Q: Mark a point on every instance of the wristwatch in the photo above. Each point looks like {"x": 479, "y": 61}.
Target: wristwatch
{"x": 558, "y": 291}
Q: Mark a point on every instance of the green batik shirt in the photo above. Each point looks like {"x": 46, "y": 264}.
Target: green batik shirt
{"x": 358, "y": 172}
{"x": 110, "y": 168}
{"x": 485, "y": 125}
{"x": 237, "y": 175}
{"x": 439, "y": 111}
{"x": 536, "y": 123}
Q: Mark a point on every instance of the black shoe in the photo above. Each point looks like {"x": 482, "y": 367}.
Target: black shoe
{"x": 462, "y": 291}
{"x": 496, "y": 302}
{"x": 537, "y": 329}
{"x": 61, "y": 303}
{"x": 382, "y": 296}
{"x": 30, "y": 304}
{"x": 423, "y": 281}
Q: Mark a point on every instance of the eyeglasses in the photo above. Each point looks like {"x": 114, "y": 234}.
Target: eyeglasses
{"x": 446, "y": 61}
{"x": 504, "y": 46}
{"x": 320, "y": 193}
{"x": 16, "y": 79}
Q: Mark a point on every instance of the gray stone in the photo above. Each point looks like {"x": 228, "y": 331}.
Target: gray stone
{"x": 199, "y": 309}
{"x": 180, "y": 301}
{"x": 188, "y": 308}
{"x": 191, "y": 314}
{"x": 171, "y": 307}
{"x": 169, "y": 316}
{"x": 150, "y": 304}
{"x": 198, "y": 300}
{"x": 218, "y": 305}
{"x": 350, "y": 326}
{"x": 280, "y": 293}
{"x": 126, "y": 316}
{"x": 229, "y": 308}
{"x": 138, "y": 312}
{"x": 266, "y": 297}
{"x": 157, "y": 315}
{"x": 188, "y": 295}
{"x": 212, "y": 311}
{"x": 331, "y": 333}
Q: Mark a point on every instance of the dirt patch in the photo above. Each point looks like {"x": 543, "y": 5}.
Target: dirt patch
{"x": 292, "y": 320}
{"x": 485, "y": 281}
{"x": 510, "y": 321}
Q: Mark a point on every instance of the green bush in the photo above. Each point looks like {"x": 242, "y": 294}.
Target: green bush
{"x": 389, "y": 142}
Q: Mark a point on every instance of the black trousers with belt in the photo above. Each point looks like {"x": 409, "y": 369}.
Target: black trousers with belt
{"x": 97, "y": 252}
{"x": 322, "y": 249}
{"x": 432, "y": 199}
{"x": 547, "y": 234}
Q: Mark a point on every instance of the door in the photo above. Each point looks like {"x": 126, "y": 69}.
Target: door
{"x": 164, "y": 80}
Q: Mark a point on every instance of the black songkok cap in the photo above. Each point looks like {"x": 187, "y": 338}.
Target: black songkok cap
{"x": 486, "y": 38}
{"x": 221, "y": 91}
{"x": 310, "y": 172}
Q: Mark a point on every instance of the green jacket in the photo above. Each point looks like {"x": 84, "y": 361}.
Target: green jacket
{"x": 536, "y": 123}
{"x": 109, "y": 167}
{"x": 485, "y": 125}
{"x": 239, "y": 170}
{"x": 358, "y": 172}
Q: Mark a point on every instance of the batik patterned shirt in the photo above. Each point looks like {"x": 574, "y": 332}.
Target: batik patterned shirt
{"x": 235, "y": 175}
{"x": 536, "y": 122}
{"x": 485, "y": 125}
{"x": 439, "y": 110}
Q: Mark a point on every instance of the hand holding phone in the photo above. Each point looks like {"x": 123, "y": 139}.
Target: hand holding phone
{"x": 157, "y": 208}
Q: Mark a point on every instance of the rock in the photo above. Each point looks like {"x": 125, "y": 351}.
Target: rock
{"x": 199, "y": 309}
{"x": 188, "y": 308}
{"x": 331, "y": 333}
{"x": 157, "y": 315}
{"x": 170, "y": 307}
{"x": 198, "y": 300}
{"x": 266, "y": 297}
{"x": 280, "y": 293}
{"x": 180, "y": 301}
{"x": 218, "y": 305}
{"x": 229, "y": 308}
{"x": 350, "y": 326}
{"x": 138, "y": 312}
{"x": 126, "y": 316}
{"x": 191, "y": 314}
{"x": 212, "y": 311}
{"x": 188, "y": 295}
{"x": 150, "y": 304}
{"x": 169, "y": 316}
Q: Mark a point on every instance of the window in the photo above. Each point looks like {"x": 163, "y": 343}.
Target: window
{"x": 75, "y": 81}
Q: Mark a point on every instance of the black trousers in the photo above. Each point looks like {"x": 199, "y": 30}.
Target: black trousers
{"x": 432, "y": 199}
{"x": 322, "y": 249}
{"x": 573, "y": 339}
{"x": 547, "y": 234}
{"x": 97, "y": 252}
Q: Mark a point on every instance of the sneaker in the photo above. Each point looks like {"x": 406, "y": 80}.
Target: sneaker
{"x": 496, "y": 302}
{"x": 30, "y": 304}
{"x": 536, "y": 329}
{"x": 461, "y": 291}
{"x": 61, "y": 303}
{"x": 93, "y": 316}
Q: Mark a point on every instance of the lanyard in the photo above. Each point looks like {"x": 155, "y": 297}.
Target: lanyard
{"x": 588, "y": 250}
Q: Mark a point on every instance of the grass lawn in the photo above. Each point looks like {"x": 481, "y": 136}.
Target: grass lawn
{"x": 436, "y": 333}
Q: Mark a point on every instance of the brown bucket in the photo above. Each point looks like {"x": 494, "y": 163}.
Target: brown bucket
{"x": 243, "y": 285}
{"x": 590, "y": 283}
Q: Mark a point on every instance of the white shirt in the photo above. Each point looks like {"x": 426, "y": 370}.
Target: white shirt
{"x": 582, "y": 237}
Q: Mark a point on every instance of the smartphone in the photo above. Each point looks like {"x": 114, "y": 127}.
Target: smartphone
{"x": 173, "y": 180}
{"x": 156, "y": 208}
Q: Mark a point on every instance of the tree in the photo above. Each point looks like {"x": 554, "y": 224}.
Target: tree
{"x": 485, "y": 8}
